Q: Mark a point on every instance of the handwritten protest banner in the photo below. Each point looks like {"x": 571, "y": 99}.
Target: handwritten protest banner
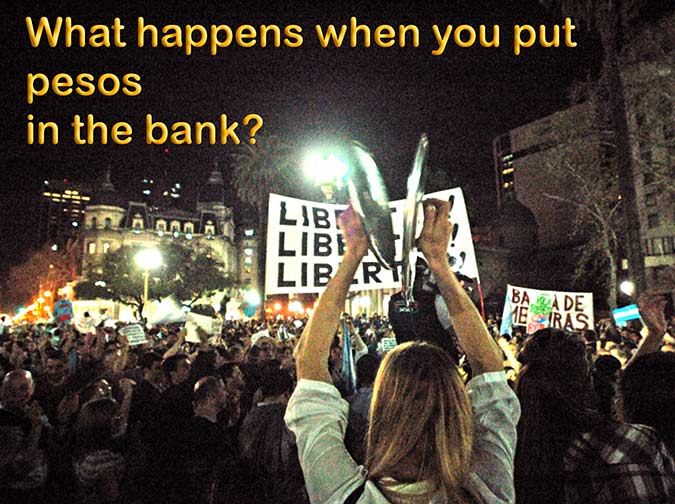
{"x": 63, "y": 312}
{"x": 305, "y": 246}
{"x": 536, "y": 309}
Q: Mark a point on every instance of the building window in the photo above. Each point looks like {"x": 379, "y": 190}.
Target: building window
{"x": 648, "y": 178}
{"x": 248, "y": 260}
{"x": 209, "y": 228}
{"x": 107, "y": 223}
{"x": 91, "y": 248}
{"x": 189, "y": 228}
{"x": 93, "y": 224}
{"x": 248, "y": 251}
{"x": 650, "y": 200}
{"x": 175, "y": 227}
{"x": 106, "y": 247}
{"x": 249, "y": 232}
{"x": 161, "y": 225}
{"x": 137, "y": 222}
{"x": 653, "y": 221}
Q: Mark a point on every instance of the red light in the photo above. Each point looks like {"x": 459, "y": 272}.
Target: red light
{"x": 166, "y": 150}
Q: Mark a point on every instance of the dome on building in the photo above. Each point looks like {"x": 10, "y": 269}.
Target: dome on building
{"x": 214, "y": 190}
{"x": 516, "y": 226}
{"x": 105, "y": 193}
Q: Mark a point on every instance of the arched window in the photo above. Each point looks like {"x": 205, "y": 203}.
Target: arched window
{"x": 93, "y": 224}
{"x": 137, "y": 222}
{"x": 107, "y": 223}
{"x": 161, "y": 225}
{"x": 189, "y": 227}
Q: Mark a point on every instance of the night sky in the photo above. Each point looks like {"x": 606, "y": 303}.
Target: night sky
{"x": 382, "y": 97}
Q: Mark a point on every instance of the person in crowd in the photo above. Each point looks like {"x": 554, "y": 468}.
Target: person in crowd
{"x": 268, "y": 446}
{"x": 233, "y": 378}
{"x": 605, "y": 383}
{"x": 430, "y": 437}
{"x": 647, "y": 386}
{"x": 55, "y": 386}
{"x": 23, "y": 465}
{"x": 99, "y": 464}
{"x": 359, "y": 407}
{"x": 567, "y": 451}
{"x": 211, "y": 454}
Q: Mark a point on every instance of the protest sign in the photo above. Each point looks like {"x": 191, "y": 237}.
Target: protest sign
{"x": 166, "y": 311}
{"x": 560, "y": 310}
{"x": 208, "y": 324}
{"x": 623, "y": 315}
{"x": 305, "y": 246}
{"x": 539, "y": 312}
{"x": 135, "y": 334}
{"x": 63, "y": 312}
{"x": 388, "y": 344}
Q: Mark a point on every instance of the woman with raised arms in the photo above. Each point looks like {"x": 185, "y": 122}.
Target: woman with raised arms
{"x": 431, "y": 438}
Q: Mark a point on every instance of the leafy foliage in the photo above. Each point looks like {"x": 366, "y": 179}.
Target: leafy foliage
{"x": 187, "y": 273}
{"x": 44, "y": 269}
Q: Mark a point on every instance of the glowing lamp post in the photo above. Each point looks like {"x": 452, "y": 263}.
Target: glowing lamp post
{"x": 148, "y": 259}
{"x": 328, "y": 170}
{"x": 627, "y": 287}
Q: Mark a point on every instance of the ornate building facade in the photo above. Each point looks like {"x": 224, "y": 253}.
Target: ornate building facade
{"x": 111, "y": 223}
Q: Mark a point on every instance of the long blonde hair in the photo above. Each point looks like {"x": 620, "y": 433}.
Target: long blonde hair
{"x": 420, "y": 425}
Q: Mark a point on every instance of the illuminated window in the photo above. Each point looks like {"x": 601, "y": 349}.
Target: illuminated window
{"x": 249, "y": 232}
{"x": 106, "y": 247}
{"x": 137, "y": 222}
{"x": 209, "y": 228}
{"x": 189, "y": 227}
{"x": 160, "y": 225}
{"x": 91, "y": 248}
{"x": 175, "y": 227}
{"x": 248, "y": 260}
{"x": 248, "y": 251}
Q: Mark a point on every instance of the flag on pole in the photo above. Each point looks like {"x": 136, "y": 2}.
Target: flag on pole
{"x": 507, "y": 317}
{"x": 348, "y": 371}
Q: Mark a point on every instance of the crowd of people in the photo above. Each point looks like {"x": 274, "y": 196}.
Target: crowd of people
{"x": 261, "y": 414}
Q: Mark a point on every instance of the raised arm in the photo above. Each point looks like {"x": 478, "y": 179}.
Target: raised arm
{"x": 474, "y": 337}
{"x": 652, "y": 310}
{"x": 314, "y": 346}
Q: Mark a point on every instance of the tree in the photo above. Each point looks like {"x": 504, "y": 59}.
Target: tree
{"x": 44, "y": 269}
{"x": 272, "y": 165}
{"x": 612, "y": 20}
{"x": 187, "y": 273}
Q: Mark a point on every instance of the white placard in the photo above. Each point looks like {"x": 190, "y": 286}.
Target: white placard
{"x": 388, "y": 344}
{"x": 210, "y": 325}
{"x": 305, "y": 247}
{"x": 135, "y": 334}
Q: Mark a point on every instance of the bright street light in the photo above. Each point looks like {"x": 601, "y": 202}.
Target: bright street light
{"x": 627, "y": 287}
{"x": 252, "y": 297}
{"x": 147, "y": 259}
{"x": 328, "y": 171}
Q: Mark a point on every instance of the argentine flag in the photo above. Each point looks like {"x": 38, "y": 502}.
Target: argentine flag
{"x": 507, "y": 317}
{"x": 623, "y": 315}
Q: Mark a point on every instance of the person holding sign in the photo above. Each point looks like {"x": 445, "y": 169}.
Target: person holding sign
{"x": 430, "y": 438}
